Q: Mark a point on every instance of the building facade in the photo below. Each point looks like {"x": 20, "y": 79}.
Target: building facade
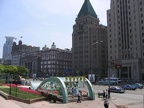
{"x": 126, "y": 38}
{"x": 7, "y": 48}
{"x": 55, "y": 61}
{"x": 27, "y": 56}
{"x": 19, "y": 50}
{"x": 31, "y": 60}
{"x": 1, "y": 61}
{"x": 89, "y": 42}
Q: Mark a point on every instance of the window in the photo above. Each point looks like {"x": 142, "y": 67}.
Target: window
{"x": 142, "y": 40}
{"x": 110, "y": 30}
{"x": 110, "y": 41}
{"x": 110, "y": 46}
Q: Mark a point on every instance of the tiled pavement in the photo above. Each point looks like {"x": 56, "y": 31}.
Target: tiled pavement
{"x": 98, "y": 103}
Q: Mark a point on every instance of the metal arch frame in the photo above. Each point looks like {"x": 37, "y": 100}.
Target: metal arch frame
{"x": 90, "y": 90}
{"x": 64, "y": 89}
{"x": 62, "y": 85}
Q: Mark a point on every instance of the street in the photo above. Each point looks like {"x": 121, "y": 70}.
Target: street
{"x": 130, "y": 98}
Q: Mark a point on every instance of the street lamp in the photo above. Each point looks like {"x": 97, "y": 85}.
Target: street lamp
{"x": 10, "y": 85}
{"x": 109, "y": 66}
{"x": 91, "y": 54}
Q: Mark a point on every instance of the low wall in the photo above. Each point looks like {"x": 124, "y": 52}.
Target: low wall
{"x": 28, "y": 101}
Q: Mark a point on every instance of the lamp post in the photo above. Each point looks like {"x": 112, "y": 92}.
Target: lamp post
{"x": 109, "y": 83}
{"x": 10, "y": 85}
{"x": 109, "y": 66}
{"x": 92, "y": 53}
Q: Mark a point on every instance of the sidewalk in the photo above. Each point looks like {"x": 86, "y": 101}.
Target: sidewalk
{"x": 98, "y": 103}
{"x": 7, "y": 103}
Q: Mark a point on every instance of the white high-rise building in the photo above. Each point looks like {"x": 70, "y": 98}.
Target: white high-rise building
{"x": 126, "y": 38}
{"x": 7, "y": 48}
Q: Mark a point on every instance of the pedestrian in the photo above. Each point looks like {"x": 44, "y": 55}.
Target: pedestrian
{"x": 103, "y": 94}
{"x": 106, "y": 103}
{"x": 106, "y": 94}
{"x": 79, "y": 97}
{"x": 72, "y": 93}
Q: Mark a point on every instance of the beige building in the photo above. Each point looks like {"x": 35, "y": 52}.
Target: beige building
{"x": 89, "y": 42}
{"x": 55, "y": 61}
{"x": 126, "y": 38}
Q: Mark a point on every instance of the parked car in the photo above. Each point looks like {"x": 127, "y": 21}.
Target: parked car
{"x": 138, "y": 85}
{"x": 128, "y": 87}
{"x": 116, "y": 89}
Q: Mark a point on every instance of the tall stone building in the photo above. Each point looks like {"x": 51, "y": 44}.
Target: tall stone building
{"x": 20, "y": 49}
{"x": 27, "y": 56}
{"x": 31, "y": 60}
{"x": 89, "y": 42}
{"x": 126, "y": 38}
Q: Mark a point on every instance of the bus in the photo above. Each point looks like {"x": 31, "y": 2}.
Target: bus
{"x": 111, "y": 80}
{"x": 114, "y": 79}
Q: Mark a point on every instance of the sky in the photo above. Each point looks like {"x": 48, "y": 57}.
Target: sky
{"x": 42, "y": 22}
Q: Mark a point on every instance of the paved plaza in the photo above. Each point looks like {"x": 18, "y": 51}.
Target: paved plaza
{"x": 127, "y": 100}
{"x": 98, "y": 103}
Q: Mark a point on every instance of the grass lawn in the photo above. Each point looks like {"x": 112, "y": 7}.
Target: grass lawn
{"x": 16, "y": 92}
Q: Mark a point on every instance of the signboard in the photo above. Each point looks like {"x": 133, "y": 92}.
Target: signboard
{"x": 74, "y": 79}
{"x": 91, "y": 77}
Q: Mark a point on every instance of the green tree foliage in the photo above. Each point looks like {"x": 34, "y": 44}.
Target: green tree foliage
{"x": 13, "y": 70}
{"x": 22, "y": 71}
{"x": 10, "y": 69}
{"x": 1, "y": 69}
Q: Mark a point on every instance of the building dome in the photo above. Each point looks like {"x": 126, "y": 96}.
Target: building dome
{"x": 53, "y": 46}
{"x": 20, "y": 42}
{"x": 14, "y": 43}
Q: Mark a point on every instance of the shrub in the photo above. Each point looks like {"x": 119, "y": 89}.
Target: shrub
{"x": 2, "y": 82}
{"x": 54, "y": 98}
{"x": 49, "y": 97}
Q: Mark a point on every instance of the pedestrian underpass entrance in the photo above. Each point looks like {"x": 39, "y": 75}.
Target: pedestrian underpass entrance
{"x": 66, "y": 88}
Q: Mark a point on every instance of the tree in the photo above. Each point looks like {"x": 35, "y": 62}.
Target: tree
{"x": 22, "y": 71}
{"x": 13, "y": 71}
{"x": 1, "y": 69}
{"x": 10, "y": 69}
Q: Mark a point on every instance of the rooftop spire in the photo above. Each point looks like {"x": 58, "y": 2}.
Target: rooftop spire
{"x": 87, "y": 9}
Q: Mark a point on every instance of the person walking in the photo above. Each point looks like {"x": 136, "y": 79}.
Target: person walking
{"x": 79, "y": 96}
{"x": 103, "y": 94}
{"x": 106, "y": 94}
{"x": 106, "y": 103}
{"x": 72, "y": 93}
